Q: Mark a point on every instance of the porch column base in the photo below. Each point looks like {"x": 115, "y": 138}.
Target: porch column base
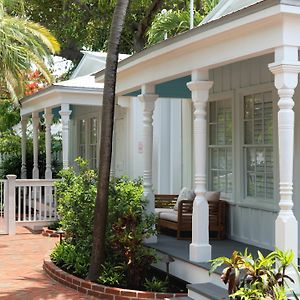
{"x": 200, "y": 253}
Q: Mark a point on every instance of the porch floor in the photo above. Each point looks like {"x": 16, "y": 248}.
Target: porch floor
{"x": 180, "y": 249}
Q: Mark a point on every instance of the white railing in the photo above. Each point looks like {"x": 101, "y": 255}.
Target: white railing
{"x": 30, "y": 202}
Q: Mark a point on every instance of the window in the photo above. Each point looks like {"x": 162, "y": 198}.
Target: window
{"x": 258, "y": 145}
{"x": 82, "y": 139}
{"x": 88, "y": 139}
{"x": 220, "y": 146}
{"x": 93, "y": 142}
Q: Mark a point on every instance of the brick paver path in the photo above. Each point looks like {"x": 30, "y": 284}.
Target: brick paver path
{"x": 21, "y": 273}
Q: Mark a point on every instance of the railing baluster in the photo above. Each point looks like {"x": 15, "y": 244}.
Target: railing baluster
{"x": 29, "y": 204}
{"x": 19, "y": 203}
{"x": 40, "y": 204}
{"x": 45, "y": 204}
{"x": 34, "y": 204}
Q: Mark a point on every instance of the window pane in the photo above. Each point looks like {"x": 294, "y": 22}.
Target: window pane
{"x": 260, "y": 160}
{"x": 250, "y": 185}
{"x": 269, "y": 187}
{"x": 260, "y": 186}
{"x": 222, "y": 159}
{"x": 213, "y": 134}
{"x": 221, "y": 135}
{"x": 248, "y": 108}
{"x": 248, "y": 132}
{"x": 214, "y": 181}
{"x": 258, "y": 131}
{"x": 251, "y": 161}
{"x": 258, "y": 106}
{"x": 214, "y": 158}
{"x": 212, "y": 112}
{"x": 269, "y": 160}
{"x": 229, "y": 159}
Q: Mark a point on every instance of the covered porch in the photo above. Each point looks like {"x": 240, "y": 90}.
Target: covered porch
{"x": 219, "y": 61}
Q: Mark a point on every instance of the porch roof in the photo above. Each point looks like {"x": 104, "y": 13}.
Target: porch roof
{"x": 78, "y": 91}
{"x": 218, "y": 42}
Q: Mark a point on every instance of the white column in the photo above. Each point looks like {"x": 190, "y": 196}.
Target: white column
{"x": 200, "y": 249}
{"x": 285, "y": 69}
{"x": 35, "y": 140}
{"x": 65, "y": 113}
{"x": 48, "y": 121}
{"x": 24, "y": 121}
{"x": 148, "y": 99}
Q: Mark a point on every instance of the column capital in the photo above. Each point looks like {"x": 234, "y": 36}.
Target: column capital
{"x": 148, "y": 101}
{"x": 200, "y": 85}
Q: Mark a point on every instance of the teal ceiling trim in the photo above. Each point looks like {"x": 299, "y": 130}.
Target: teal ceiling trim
{"x": 171, "y": 89}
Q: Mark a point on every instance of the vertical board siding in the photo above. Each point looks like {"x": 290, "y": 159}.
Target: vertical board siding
{"x": 250, "y": 225}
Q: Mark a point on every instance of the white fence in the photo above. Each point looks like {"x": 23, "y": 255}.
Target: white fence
{"x": 27, "y": 202}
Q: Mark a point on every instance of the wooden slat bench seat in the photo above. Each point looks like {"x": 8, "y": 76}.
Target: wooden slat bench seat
{"x": 181, "y": 220}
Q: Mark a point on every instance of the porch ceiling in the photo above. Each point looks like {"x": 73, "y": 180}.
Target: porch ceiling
{"x": 247, "y": 33}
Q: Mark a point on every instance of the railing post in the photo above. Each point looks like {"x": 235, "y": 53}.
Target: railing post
{"x": 11, "y": 203}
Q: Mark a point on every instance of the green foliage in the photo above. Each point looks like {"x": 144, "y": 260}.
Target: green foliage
{"x": 23, "y": 44}
{"x": 112, "y": 275}
{"x": 171, "y": 23}
{"x": 127, "y": 260}
{"x": 128, "y": 227}
{"x": 76, "y": 193}
{"x": 250, "y": 278}
{"x": 71, "y": 258}
{"x": 156, "y": 285}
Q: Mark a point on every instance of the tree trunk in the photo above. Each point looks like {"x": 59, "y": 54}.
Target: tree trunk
{"x": 100, "y": 214}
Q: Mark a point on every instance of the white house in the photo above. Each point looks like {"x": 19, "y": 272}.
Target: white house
{"x": 223, "y": 100}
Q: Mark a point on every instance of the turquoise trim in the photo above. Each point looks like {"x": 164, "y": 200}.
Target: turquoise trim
{"x": 171, "y": 89}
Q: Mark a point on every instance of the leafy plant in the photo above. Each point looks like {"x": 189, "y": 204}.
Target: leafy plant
{"x": 156, "y": 285}
{"x": 112, "y": 275}
{"x": 127, "y": 259}
{"x": 258, "y": 278}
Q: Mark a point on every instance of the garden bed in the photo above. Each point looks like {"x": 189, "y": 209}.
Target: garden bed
{"x": 98, "y": 290}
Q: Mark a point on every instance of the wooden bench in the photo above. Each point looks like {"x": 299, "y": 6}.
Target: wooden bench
{"x": 217, "y": 216}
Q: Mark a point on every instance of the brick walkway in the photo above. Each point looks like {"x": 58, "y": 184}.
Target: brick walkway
{"x": 21, "y": 273}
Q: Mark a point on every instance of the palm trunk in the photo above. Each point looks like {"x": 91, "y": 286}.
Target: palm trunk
{"x": 100, "y": 214}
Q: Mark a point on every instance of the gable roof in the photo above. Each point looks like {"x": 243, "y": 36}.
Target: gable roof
{"x": 226, "y": 7}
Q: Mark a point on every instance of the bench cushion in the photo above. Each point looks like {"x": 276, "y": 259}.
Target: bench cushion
{"x": 171, "y": 216}
{"x": 158, "y": 211}
{"x": 185, "y": 194}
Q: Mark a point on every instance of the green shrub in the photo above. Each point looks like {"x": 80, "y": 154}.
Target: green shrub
{"x": 127, "y": 226}
{"x": 76, "y": 193}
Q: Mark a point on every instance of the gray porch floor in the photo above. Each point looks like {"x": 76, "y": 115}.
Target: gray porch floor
{"x": 180, "y": 249}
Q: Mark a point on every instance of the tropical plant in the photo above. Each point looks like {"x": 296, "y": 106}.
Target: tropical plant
{"x": 170, "y": 23}
{"x": 100, "y": 213}
{"x": 258, "y": 278}
{"x": 174, "y": 21}
{"x": 156, "y": 285}
{"x": 23, "y": 45}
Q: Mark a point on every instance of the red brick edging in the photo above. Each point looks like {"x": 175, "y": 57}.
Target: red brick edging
{"x": 98, "y": 290}
{"x": 50, "y": 232}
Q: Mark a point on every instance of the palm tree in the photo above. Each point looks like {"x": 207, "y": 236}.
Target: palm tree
{"x": 23, "y": 45}
{"x": 173, "y": 22}
{"x": 101, "y": 207}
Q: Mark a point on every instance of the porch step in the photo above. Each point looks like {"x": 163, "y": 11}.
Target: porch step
{"x": 180, "y": 298}
{"x": 205, "y": 291}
